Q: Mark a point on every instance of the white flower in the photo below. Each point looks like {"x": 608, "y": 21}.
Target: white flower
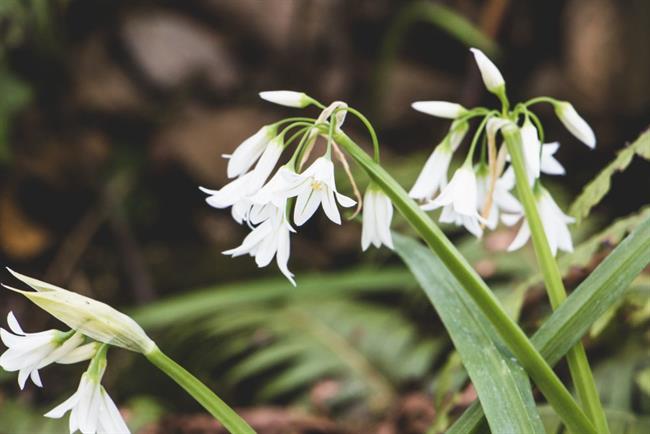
{"x": 459, "y": 200}
{"x": 270, "y": 238}
{"x": 274, "y": 191}
{"x": 489, "y": 72}
{"x": 29, "y": 352}
{"x": 575, "y": 123}
{"x": 502, "y": 200}
{"x": 313, "y": 187}
{"x": 531, "y": 149}
{"x": 92, "y": 411}
{"x": 377, "y": 216}
{"x": 249, "y": 151}
{"x": 549, "y": 164}
{"x": 236, "y": 192}
{"x": 554, "y": 222}
{"x": 93, "y": 318}
{"x": 441, "y": 109}
{"x": 434, "y": 172}
{"x": 287, "y": 98}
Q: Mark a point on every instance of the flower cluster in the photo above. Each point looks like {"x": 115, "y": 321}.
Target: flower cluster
{"x": 479, "y": 194}
{"x": 94, "y": 326}
{"x": 263, "y": 198}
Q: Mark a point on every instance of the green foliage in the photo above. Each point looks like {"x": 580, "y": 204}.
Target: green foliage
{"x": 603, "y": 288}
{"x": 322, "y": 329}
{"x": 621, "y": 422}
{"x": 502, "y": 385}
{"x": 593, "y": 192}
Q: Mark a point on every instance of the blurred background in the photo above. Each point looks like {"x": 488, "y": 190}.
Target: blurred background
{"x": 112, "y": 113}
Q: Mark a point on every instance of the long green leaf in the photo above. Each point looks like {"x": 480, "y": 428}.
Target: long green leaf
{"x": 597, "y": 293}
{"x": 502, "y": 386}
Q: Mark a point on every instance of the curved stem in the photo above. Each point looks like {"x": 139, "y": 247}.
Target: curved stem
{"x": 550, "y": 385}
{"x": 200, "y": 392}
{"x": 583, "y": 379}
{"x": 371, "y": 130}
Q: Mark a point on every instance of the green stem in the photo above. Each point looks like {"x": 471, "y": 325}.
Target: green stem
{"x": 200, "y": 392}
{"x": 550, "y": 385}
{"x": 578, "y": 365}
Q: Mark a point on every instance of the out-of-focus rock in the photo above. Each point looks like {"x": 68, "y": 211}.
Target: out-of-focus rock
{"x": 171, "y": 49}
{"x": 197, "y": 138}
{"x": 270, "y": 21}
{"x": 100, "y": 83}
{"x": 20, "y": 238}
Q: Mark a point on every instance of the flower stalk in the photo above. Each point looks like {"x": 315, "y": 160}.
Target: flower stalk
{"x": 542, "y": 374}
{"x": 577, "y": 359}
{"x": 200, "y": 392}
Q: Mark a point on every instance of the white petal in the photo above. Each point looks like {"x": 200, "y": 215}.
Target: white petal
{"x": 282, "y": 255}
{"x": 286, "y": 98}
{"x": 13, "y": 324}
{"x": 521, "y": 238}
{"x": 441, "y": 109}
{"x": 58, "y": 411}
{"x": 432, "y": 174}
{"x": 549, "y": 163}
{"x": 252, "y": 240}
{"x": 80, "y": 354}
{"x": 345, "y": 201}
{"x": 36, "y": 378}
{"x": 329, "y": 206}
{"x": 110, "y": 419}
{"x": 248, "y": 152}
{"x": 384, "y": 218}
{"x": 531, "y": 150}
{"x": 368, "y": 220}
{"x": 575, "y": 123}
{"x": 489, "y": 72}
{"x": 306, "y": 205}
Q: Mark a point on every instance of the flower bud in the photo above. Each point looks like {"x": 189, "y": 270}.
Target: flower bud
{"x": 575, "y": 123}
{"x": 441, "y": 109}
{"x": 94, "y": 319}
{"x": 287, "y": 98}
{"x": 489, "y": 72}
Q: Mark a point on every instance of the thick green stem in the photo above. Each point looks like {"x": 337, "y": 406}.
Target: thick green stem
{"x": 583, "y": 379}
{"x": 200, "y": 392}
{"x": 550, "y": 385}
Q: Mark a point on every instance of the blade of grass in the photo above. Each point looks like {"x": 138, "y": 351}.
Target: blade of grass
{"x": 502, "y": 385}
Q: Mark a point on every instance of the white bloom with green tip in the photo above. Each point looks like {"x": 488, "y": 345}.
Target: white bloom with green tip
{"x": 575, "y": 123}
{"x": 92, "y": 411}
{"x": 288, "y": 98}
{"x": 491, "y": 75}
{"x": 377, "y": 216}
{"x": 29, "y": 352}
{"x": 92, "y": 318}
{"x": 441, "y": 109}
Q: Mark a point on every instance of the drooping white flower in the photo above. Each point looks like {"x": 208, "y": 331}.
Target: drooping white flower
{"x": 92, "y": 318}
{"x": 575, "y": 123}
{"x": 489, "y": 72}
{"x": 555, "y": 224}
{"x": 441, "y": 109}
{"x": 531, "y": 150}
{"x": 313, "y": 187}
{"x": 502, "y": 199}
{"x": 549, "y": 163}
{"x": 249, "y": 151}
{"x": 377, "y": 216}
{"x": 459, "y": 200}
{"x": 275, "y": 191}
{"x": 236, "y": 192}
{"x": 92, "y": 411}
{"x": 288, "y": 98}
{"x": 29, "y": 352}
{"x": 270, "y": 238}
{"x": 433, "y": 175}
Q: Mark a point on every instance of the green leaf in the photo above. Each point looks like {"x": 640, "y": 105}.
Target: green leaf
{"x": 502, "y": 386}
{"x": 593, "y": 192}
{"x": 593, "y": 297}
